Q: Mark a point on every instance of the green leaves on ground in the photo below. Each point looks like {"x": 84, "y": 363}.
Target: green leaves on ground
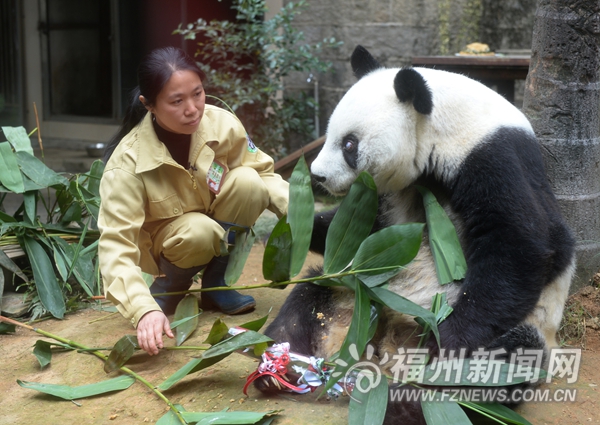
{"x": 72, "y": 393}
{"x": 223, "y": 417}
{"x": 121, "y": 353}
{"x": 187, "y": 308}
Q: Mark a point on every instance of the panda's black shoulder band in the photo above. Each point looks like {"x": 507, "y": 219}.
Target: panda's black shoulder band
{"x": 411, "y": 86}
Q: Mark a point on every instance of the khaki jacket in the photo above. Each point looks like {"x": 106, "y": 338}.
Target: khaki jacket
{"x": 142, "y": 186}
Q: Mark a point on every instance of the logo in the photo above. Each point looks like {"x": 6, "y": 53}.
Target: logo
{"x": 251, "y": 146}
{"x": 362, "y": 376}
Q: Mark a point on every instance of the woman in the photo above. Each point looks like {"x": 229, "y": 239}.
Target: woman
{"x": 178, "y": 174}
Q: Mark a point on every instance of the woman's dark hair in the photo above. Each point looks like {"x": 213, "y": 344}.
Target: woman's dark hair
{"x": 153, "y": 73}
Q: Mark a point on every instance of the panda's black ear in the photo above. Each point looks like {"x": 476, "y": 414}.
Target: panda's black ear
{"x": 362, "y": 62}
{"x": 411, "y": 86}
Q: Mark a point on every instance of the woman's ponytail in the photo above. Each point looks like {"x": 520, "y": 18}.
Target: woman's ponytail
{"x": 133, "y": 115}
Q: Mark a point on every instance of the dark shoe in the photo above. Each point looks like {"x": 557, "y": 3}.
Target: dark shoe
{"x": 175, "y": 279}
{"x": 229, "y": 302}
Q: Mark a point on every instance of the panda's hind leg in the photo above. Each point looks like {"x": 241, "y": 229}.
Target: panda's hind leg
{"x": 298, "y": 324}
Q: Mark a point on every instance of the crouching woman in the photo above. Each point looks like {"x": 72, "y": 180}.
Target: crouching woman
{"x": 178, "y": 174}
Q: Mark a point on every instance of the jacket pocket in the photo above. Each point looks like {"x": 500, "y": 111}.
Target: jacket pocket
{"x": 165, "y": 208}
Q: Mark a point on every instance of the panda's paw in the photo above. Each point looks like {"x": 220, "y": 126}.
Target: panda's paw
{"x": 270, "y": 384}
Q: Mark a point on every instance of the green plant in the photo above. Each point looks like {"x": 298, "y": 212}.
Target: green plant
{"x": 60, "y": 242}
{"x": 246, "y": 61}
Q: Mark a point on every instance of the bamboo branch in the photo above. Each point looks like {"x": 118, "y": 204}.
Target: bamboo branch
{"x": 100, "y": 356}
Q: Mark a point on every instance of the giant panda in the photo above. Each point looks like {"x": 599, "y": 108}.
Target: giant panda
{"x": 479, "y": 155}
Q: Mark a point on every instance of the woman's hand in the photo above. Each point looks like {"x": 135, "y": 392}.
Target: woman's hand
{"x": 150, "y": 329}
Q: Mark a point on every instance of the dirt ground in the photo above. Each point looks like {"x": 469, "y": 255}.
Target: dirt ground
{"x": 220, "y": 386}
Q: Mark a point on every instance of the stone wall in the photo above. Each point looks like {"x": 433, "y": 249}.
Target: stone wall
{"x": 396, "y": 30}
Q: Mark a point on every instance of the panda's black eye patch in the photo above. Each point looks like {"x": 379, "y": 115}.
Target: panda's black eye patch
{"x": 350, "y": 149}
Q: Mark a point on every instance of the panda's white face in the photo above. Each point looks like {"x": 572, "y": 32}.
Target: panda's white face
{"x": 369, "y": 130}
{"x": 372, "y": 130}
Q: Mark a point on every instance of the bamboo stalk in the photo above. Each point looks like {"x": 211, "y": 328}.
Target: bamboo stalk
{"x": 39, "y": 130}
{"x": 100, "y": 356}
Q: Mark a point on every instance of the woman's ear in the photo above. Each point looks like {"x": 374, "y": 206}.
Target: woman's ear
{"x": 143, "y": 100}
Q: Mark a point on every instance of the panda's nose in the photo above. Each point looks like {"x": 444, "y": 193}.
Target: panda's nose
{"x": 319, "y": 178}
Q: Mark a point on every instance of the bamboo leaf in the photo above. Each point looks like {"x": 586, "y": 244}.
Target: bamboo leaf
{"x": 351, "y": 225}
{"x": 301, "y": 210}
{"x": 217, "y": 332}
{"x": 18, "y": 138}
{"x": 368, "y": 406}
{"x": 8, "y": 264}
{"x": 6, "y": 328}
{"x": 450, "y": 263}
{"x": 256, "y": 325}
{"x": 437, "y": 413}
{"x": 277, "y": 255}
{"x": 187, "y": 307}
{"x": 402, "y": 305}
{"x": 39, "y": 172}
{"x": 441, "y": 309}
{"x": 357, "y": 337}
{"x": 238, "y": 256}
{"x": 497, "y": 410}
{"x": 224, "y": 417}
{"x": 237, "y": 342}
{"x": 121, "y": 353}
{"x": 42, "y": 351}
{"x": 30, "y": 205}
{"x": 10, "y": 174}
{"x": 392, "y": 247}
{"x": 192, "y": 366}
{"x": 46, "y": 283}
{"x": 176, "y": 323}
{"x": 71, "y": 393}
{"x": 95, "y": 175}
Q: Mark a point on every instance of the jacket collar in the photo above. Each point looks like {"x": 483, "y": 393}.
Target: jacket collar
{"x": 152, "y": 153}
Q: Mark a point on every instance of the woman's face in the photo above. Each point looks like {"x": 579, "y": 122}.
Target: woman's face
{"x": 180, "y": 104}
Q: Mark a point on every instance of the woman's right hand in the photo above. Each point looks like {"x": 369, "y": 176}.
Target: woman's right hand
{"x": 150, "y": 329}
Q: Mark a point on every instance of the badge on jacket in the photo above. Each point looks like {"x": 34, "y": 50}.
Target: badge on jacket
{"x": 251, "y": 146}
{"x": 215, "y": 176}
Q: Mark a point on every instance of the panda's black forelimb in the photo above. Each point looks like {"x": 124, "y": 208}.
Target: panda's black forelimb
{"x": 298, "y": 322}
{"x": 515, "y": 237}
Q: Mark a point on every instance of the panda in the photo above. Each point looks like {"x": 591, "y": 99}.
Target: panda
{"x": 479, "y": 155}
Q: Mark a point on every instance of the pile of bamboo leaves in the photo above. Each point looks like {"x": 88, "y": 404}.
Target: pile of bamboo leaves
{"x": 54, "y": 226}
{"x": 354, "y": 259}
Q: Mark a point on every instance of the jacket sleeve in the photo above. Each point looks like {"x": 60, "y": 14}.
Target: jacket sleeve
{"x": 120, "y": 222}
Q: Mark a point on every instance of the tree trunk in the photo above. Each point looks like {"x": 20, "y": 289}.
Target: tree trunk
{"x": 562, "y": 100}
